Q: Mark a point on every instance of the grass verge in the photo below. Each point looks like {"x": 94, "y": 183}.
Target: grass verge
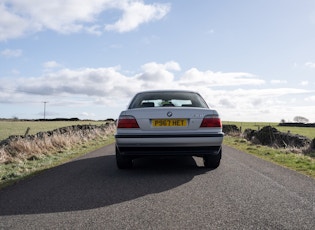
{"x": 15, "y": 171}
{"x": 301, "y": 163}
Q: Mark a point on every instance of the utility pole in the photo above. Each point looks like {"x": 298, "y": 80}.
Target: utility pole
{"x": 45, "y": 109}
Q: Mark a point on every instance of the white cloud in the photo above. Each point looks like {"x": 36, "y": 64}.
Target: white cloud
{"x": 157, "y": 75}
{"x": 111, "y": 83}
{"x": 269, "y": 92}
{"x": 258, "y": 104}
{"x": 51, "y": 64}
{"x": 109, "y": 87}
{"x": 196, "y": 77}
{"x": 20, "y": 17}
{"x": 87, "y": 114}
{"x": 274, "y": 82}
{"x": 304, "y": 83}
{"x": 310, "y": 64}
{"x": 136, "y": 13}
{"x": 153, "y": 66}
{"x": 310, "y": 99}
{"x": 11, "y": 53}
{"x": 98, "y": 82}
{"x": 245, "y": 99}
{"x": 15, "y": 71}
{"x": 227, "y": 102}
{"x": 210, "y": 31}
{"x": 11, "y": 25}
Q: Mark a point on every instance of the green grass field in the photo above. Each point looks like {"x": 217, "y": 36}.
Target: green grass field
{"x": 8, "y": 128}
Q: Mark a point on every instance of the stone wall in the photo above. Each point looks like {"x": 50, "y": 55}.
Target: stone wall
{"x": 272, "y": 137}
{"x": 69, "y": 130}
{"x": 227, "y": 129}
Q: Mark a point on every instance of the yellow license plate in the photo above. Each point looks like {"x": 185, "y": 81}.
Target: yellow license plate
{"x": 169, "y": 122}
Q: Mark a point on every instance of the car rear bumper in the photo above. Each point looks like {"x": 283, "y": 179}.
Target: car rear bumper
{"x": 169, "y": 145}
{"x": 169, "y": 151}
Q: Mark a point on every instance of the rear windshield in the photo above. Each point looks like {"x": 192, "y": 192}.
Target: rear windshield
{"x": 170, "y": 99}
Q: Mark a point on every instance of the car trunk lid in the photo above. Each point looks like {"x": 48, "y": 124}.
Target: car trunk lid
{"x": 170, "y": 119}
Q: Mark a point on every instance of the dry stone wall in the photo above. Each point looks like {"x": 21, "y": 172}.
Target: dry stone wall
{"x": 272, "y": 137}
{"x": 69, "y": 130}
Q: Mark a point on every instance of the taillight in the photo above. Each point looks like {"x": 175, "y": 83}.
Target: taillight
{"x": 127, "y": 122}
{"x": 211, "y": 122}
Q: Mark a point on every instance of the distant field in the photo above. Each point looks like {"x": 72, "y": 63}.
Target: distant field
{"x": 8, "y": 128}
{"x": 304, "y": 131}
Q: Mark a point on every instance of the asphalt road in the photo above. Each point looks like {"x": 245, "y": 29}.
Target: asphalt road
{"x": 91, "y": 193}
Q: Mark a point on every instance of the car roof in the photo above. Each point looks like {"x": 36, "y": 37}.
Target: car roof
{"x": 167, "y": 91}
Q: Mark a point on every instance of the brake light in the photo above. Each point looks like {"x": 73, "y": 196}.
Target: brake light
{"x": 211, "y": 122}
{"x": 127, "y": 122}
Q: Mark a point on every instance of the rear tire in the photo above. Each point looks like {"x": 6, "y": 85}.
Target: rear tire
{"x": 121, "y": 161}
{"x": 212, "y": 161}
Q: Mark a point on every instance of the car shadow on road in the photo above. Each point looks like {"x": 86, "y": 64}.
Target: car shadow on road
{"x": 93, "y": 183}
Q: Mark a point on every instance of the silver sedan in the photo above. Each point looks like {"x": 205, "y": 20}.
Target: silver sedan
{"x": 168, "y": 123}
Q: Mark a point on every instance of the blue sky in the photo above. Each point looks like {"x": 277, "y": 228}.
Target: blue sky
{"x": 251, "y": 60}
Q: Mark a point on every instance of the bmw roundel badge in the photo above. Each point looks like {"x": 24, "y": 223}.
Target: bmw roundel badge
{"x": 169, "y": 114}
